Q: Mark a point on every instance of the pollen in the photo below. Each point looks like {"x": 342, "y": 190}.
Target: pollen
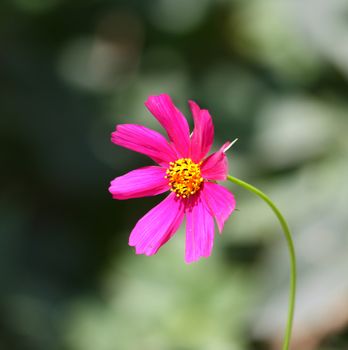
{"x": 184, "y": 177}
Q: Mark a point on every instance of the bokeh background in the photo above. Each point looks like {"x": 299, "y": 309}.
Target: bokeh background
{"x": 273, "y": 73}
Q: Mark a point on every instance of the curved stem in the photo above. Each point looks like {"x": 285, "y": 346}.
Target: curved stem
{"x": 285, "y": 227}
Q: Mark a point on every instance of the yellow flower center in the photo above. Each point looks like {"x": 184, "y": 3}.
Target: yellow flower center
{"x": 184, "y": 177}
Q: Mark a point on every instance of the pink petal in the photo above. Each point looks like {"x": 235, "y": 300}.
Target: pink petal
{"x": 172, "y": 120}
{"x": 203, "y": 133}
{"x": 220, "y": 201}
{"x": 215, "y": 167}
{"x": 147, "y": 181}
{"x": 140, "y": 139}
{"x": 199, "y": 230}
{"x": 157, "y": 226}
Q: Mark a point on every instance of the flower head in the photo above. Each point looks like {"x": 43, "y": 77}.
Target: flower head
{"x": 185, "y": 170}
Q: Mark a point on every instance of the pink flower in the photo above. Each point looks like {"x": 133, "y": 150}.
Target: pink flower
{"x": 183, "y": 169}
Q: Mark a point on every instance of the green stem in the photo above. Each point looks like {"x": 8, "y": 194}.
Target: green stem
{"x": 285, "y": 227}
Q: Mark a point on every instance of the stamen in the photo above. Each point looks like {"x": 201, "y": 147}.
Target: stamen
{"x": 184, "y": 177}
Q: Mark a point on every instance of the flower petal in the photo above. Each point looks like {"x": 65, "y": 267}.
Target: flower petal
{"x": 203, "y": 133}
{"x": 147, "y": 181}
{"x": 172, "y": 120}
{"x": 199, "y": 230}
{"x": 157, "y": 226}
{"x": 220, "y": 201}
{"x": 215, "y": 167}
{"x": 140, "y": 139}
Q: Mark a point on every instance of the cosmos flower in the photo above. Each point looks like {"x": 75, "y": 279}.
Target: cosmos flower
{"x": 183, "y": 169}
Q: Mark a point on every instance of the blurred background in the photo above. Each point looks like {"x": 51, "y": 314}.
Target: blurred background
{"x": 273, "y": 73}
